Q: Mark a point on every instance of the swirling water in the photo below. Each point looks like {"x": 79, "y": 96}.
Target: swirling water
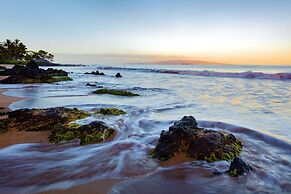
{"x": 256, "y": 108}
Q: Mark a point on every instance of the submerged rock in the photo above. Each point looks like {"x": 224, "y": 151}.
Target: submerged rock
{"x": 57, "y": 121}
{"x": 238, "y": 167}
{"x": 31, "y": 73}
{"x": 184, "y": 137}
{"x": 118, "y": 75}
{"x": 96, "y": 73}
{"x": 110, "y": 111}
{"x": 115, "y": 92}
{"x": 91, "y": 85}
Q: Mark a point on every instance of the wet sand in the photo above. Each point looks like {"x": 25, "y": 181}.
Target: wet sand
{"x": 12, "y": 137}
{"x": 97, "y": 187}
{"x": 17, "y": 137}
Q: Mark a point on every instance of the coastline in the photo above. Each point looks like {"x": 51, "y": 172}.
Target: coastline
{"x": 17, "y": 137}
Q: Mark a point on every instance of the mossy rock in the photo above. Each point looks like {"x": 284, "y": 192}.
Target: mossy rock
{"x": 61, "y": 78}
{"x": 184, "y": 137}
{"x": 43, "y": 119}
{"x": 94, "y": 132}
{"x": 115, "y": 92}
{"x": 110, "y": 111}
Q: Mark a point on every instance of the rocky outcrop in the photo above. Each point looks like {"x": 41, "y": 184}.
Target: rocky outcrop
{"x": 238, "y": 167}
{"x": 110, "y": 111}
{"x": 118, "y": 75}
{"x": 115, "y": 92}
{"x": 94, "y": 132}
{"x": 58, "y": 122}
{"x": 95, "y": 73}
{"x": 31, "y": 73}
{"x": 184, "y": 137}
{"x": 91, "y": 85}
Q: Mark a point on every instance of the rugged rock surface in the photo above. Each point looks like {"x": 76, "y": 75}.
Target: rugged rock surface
{"x": 31, "y": 73}
{"x": 238, "y": 167}
{"x": 58, "y": 122}
{"x": 96, "y": 73}
{"x": 110, "y": 111}
{"x": 94, "y": 132}
{"x": 184, "y": 137}
{"x": 118, "y": 75}
{"x": 115, "y": 92}
{"x": 43, "y": 119}
{"x": 91, "y": 85}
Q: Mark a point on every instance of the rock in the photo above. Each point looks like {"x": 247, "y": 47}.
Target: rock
{"x": 43, "y": 119}
{"x": 184, "y": 137}
{"x": 110, "y": 111}
{"x": 94, "y": 132}
{"x": 91, "y": 85}
{"x": 58, "y": 122}
{"x": 118, "y": 75}
{"x": 96, "y": 73}
{"x": 31, "y": 73}
{"x": 115, "y": 92}
{"x": 238, "y": 167}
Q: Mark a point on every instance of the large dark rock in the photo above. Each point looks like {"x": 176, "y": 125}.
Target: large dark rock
{"x": 184, "y": 137}
{"x": 118, "y": 75}
{"x": 238, "y": 167}
{"x": 31, "y": 73}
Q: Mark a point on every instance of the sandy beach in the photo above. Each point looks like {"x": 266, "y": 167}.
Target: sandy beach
{"x": 16, "y": 137}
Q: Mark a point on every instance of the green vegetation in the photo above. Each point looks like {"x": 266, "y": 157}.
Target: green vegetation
{"x": 235, "y": 148}
{"x": 3, "y": 113}
{"x": 9, "y": 61}
{"x": 61, "y": 78}
{"x": 110, "y": 111}
{"x": 15, "y": 52}
{"x": 115, "y": 92}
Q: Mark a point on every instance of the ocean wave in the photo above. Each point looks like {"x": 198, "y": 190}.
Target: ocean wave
{"x": 207, "y": 73}
{"x": 249, "y": 132}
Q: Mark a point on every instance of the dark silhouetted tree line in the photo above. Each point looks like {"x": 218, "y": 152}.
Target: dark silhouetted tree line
{"x": 16, "y": 50}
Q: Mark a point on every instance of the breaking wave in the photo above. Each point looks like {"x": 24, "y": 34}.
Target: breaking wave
{"x": 207, "y": 73}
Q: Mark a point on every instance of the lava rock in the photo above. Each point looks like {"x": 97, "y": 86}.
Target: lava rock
{"x": 185, "y": 137}
{"x": 96, "y": 73}
{"x": 31, "y": 73}
{"x": 118, "y": 75}
{"x": 91, "y": 85}
{"x": 238, "y": 167}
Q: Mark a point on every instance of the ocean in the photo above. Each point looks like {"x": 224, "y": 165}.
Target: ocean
{"x": 252, "y": 102}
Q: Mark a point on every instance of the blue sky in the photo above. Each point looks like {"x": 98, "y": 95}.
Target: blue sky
{"x": 112, "y": 31}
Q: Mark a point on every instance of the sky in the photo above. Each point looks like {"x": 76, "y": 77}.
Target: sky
{"x": 132, "y": 31}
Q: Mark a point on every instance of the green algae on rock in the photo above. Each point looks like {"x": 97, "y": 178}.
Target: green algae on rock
{"x": 115, "y": 92}
{"x": 43, "y": 119}
{"x": 60, "y": 122}
{"x": 94, "y": 132}
{"x": 184, "y": 137}
{"x": 110, "y": 111}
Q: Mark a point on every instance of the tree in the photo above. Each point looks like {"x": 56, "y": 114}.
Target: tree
{"x": 16, "y": 50}
{"x": 40, "y": 55}
{"x": 12, "y": 50}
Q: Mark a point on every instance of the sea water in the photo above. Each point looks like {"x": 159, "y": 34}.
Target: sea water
{"x": 252, "y": 102}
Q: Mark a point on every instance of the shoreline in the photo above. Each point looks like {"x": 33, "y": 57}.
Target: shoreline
{"x": 10, "y": 138}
